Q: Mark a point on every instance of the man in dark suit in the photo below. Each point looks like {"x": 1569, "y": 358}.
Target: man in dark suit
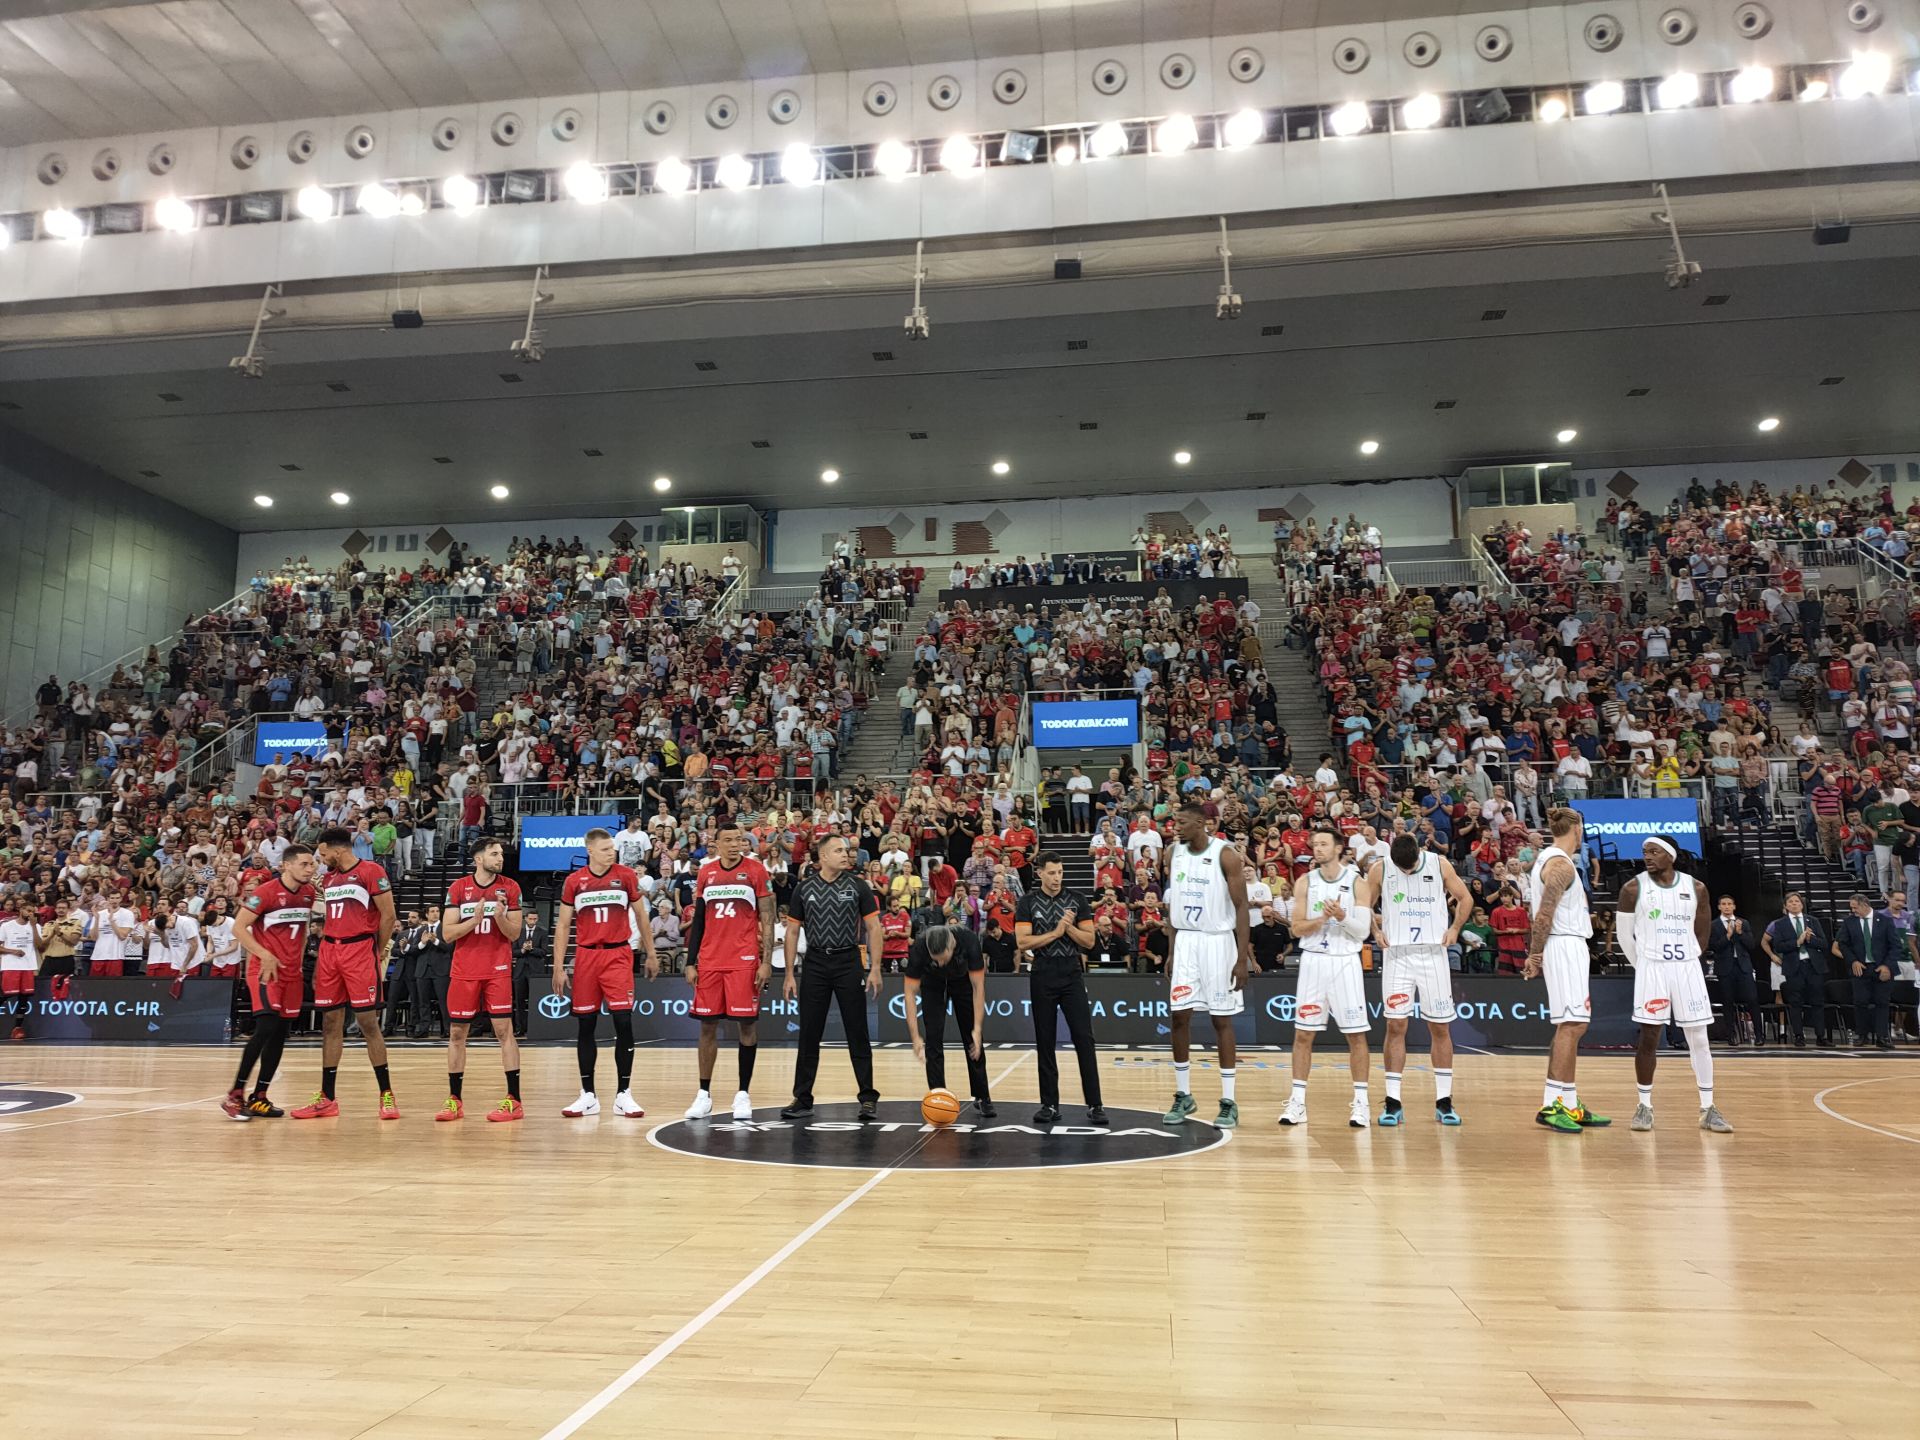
{"x": 1796, "y": 943}
{"x": 1867, "y": 947}
{"x": 1730, "y": 947}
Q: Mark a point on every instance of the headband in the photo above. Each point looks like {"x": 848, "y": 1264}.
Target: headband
{"x": 1656, "y": 840}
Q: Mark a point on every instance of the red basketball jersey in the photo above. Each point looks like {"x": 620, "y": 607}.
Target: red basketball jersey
{"x": 486, "y": 945}
{"x": 281, "y": 914}
{"x": 730, "y": 920}
{"x": 349, "y": 896}
{"x": 602, "y": 913}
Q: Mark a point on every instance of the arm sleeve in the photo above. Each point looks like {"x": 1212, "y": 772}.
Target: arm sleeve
{"x": 1358, "y": 923}
{"x": 1623, "y": 929}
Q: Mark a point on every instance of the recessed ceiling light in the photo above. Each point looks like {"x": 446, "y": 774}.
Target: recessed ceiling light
{"x": 1567, "y": 436}
{"x": 340, "y": 497}
{"x": 829, "y": 476}
{"x": 1182, "y": 457}
{"x": 1770, "y": 424}
{"x": 499, "y": 492}
{"x": 662, "y": 482}
{"x": 265, "y": 502}
{"x": 1369, "y": 447}
{"x": 1001, "y": 467}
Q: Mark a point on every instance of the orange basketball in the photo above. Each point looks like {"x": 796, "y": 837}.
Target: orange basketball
{"x": 941, "y": 1107}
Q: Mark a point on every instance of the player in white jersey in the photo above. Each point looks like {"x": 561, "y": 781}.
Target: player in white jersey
{"x": 1663, "y": 926}
{"x": 1332, "y": 915}
{"x": 1559, "y": 946}
{"x": 1423, "y": 904}
{"x": 1207, "y": 923}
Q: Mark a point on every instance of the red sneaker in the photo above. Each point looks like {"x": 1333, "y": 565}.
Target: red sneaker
{"x": 19, "y": 1032}
{"x": 507, "y": 1109}
{"x": 452, "y": 1110}
{"x": 236, "y": 1106}
{"x": 389, "y": 1107}
{"x": 318, "y": 1108}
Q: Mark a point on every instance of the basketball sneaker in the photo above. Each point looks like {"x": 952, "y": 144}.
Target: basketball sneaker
{"x": 1642, "y": 1118}
{"x": 1712, "y": 1119}
{"x": 1183, "y": 1106}
{"x": 587, "y": 1104}
{"x": 1357, "y": 1115}
{"x": 742, "y": 1105}
{"x": 1587, "y": 1119}
{"x": 452, "y": 1110}
{"x": 321, "y": 1107}
{"x": 389, "y": 1107}
{"x": 507, "y": 1109}
{"x": 1557, "y": 1117}
{"x": 1446, "y": 1114}
{"x": 1229, "y": 1116}
{"x": 701, "y": 1107}
{"x": 236, "y": 1106}
{"x": 262, "y": 1108}
{"x": 1296, "y": 1111}
{"x": 625, "y": 1104}
{"x": 1391, "y": 1114}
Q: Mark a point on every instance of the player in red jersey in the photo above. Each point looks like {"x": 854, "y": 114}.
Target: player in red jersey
{"x": 729, "y": 958}
{"x": 355, "y": 930}
{"x": 605, "y": 896}
{"x": 271, "y": 926}
{"x": 482, "y": 918}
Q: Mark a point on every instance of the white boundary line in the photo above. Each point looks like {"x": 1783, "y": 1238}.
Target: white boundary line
{"x": 646, "y": 1364}
{"x": 12, "y": 1129}
{"x": 1820, "y": 1103}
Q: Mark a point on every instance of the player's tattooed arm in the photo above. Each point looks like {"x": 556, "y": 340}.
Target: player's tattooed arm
{"x": 1554, "y": 881}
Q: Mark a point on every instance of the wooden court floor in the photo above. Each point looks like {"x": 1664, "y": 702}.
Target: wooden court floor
{"x": 167, "y": 1272}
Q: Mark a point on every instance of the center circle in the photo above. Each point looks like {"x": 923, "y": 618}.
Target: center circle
{"x": 835, "y": 1138}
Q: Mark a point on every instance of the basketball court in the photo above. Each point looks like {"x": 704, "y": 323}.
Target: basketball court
{"x": 175, "y": 1274}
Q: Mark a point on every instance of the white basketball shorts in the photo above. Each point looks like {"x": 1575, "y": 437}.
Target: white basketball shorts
{"x": 1671, "y": 992}
{"x": 1329, "y": 989}
{"x": 1417, "y": 975}
{"x": 1565, "y": 963}
{"x": 1202, "y": 973}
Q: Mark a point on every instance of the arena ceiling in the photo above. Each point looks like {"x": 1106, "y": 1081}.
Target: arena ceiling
{"x": 1453, "y": 336}
{"x": 77, "y": 68}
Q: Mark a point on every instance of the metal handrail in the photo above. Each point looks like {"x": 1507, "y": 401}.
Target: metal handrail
{"x": 1489, "y": 572}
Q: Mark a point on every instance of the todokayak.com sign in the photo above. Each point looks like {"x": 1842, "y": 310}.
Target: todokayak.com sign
{"x": 559, "y": 842}
{"x": 1085, "y": 724}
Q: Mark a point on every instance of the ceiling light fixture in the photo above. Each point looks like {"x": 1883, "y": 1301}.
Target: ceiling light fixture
{"x": 1867, "y": 75}
{"x": 799, "y": 165}
{"x": 1065, "y": 153}
{"x": 1551, "y": 108}
{"x": 1001, "y": 467}
{"x": 1352, "y": 118}
{"x": 460, "y": 193}
{"x": 499, "y": 492}
{"x": 1604, "y": 98}
{"x": 265, "y": 502}
{"x": 340, "y": 497}
{"x": 1182, "y": 457}
{"x": 585, "y": 183}
{"x": 1567, "y": 436}
{"x": 735, "y": 172}
{"x": 1770, "y": 424}
{"x": 377, "y": 200}
{"x": 1243, "y": 128}
{"x": 893, "y": 159}
{"x": 672, "y": 177}
{"x": 1751, "y": 84}
{"x": 662, "y": 483}
{"x": 314, "y": 203}
{"x": 412, "y": 202}
{"x": 829, "y": 476}
{"x": 1369, "y": 447}
{"x": 1107, "y": 141}
{"x": 174, "y": 214}
{"x": 1815, "y": 89}
{"x": 1677, "y": 91}
{"x": 1176, "y": 134}
{"x": 960, "y": 155}
{"x": 1422, "y": 112}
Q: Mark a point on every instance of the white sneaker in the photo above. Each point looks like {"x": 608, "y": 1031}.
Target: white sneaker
{"x": 625, "y": 1104}
{"x": 587, "y": 1104}
{"x": 1295, "y": 1113}
{"x": 701, "y": 1107}
{"x": 742, "y": 1106}
{"x": 1357, "y": 1117}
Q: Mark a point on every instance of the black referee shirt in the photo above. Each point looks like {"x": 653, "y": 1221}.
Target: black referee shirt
{"x": 832, "y": 912}
{"x": 1044, "y": 912}
{"x": 966, "y": 958}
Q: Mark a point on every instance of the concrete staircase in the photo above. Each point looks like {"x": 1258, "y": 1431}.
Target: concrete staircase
{"x": 878, "y": 748}
{"x": 1301, "y": 714}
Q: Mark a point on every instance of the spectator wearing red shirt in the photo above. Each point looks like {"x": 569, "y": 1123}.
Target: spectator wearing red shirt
{"x": 1511, "y": 925}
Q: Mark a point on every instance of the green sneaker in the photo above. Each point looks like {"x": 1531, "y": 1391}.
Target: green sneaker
{"x": 1557, "y": 1117}
{"x": 1183, "y": 1106}
{"x": 1588, "y": 1120}
{"x": 1229, "y": 1116}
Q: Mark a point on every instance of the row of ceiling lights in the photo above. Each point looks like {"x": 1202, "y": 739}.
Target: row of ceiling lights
{"x": 1868, "y": 73}
{"x": 829, "y": 476}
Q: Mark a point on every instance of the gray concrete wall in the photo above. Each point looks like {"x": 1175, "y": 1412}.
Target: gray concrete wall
{"x": 91, "y": 568}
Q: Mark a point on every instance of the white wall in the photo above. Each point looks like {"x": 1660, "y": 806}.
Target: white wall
{"x": 1659, "y": 484}
{"x": 1414, "y": 511}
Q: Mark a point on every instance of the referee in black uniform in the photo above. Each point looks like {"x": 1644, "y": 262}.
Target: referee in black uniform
{"x": 839, "y": 910}
{"x": 1051, "y": 929}
{"x": 945, "y": 966}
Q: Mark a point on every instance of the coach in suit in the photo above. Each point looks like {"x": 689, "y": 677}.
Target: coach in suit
{"x": 1796, "y": 943}
{"x": 1867, "y": 947}
{"x": 1730, "y": 946}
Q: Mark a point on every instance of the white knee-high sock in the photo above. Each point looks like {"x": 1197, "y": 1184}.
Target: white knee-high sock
{"x": 1701, "y": 1054}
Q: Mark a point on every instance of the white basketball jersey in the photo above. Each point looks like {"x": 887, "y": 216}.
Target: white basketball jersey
{"x": 1197, "y": 895}
{"x": 1663, "y": 920}
{"x": 1413, "y": 907}
{"x": 1570, "y": 916}
{"x": 1331, "y": 939}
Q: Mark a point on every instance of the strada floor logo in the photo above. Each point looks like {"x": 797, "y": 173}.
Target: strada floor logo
{"x": 835, "y": 1138}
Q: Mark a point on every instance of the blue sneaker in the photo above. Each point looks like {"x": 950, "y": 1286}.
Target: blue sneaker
{"x": 1392, "y": 1117}
{"x": 1448, "y": 1116}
